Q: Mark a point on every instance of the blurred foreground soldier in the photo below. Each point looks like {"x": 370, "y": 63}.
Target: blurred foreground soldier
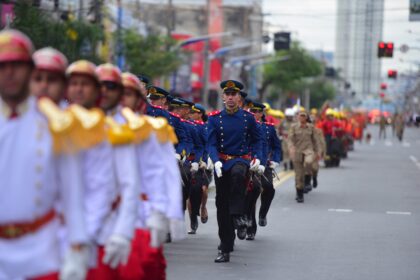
{"x": 284, "y": 132}
{"x": 303, "y": 149}
{"x": 233, "y": 134}
{"x": 134, "y": 95}
{"x": 30, "y": 133}
{"x": 109, "y": 167}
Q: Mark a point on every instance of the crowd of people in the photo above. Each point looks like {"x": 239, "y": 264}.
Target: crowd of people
{"x": 99, "y": 167}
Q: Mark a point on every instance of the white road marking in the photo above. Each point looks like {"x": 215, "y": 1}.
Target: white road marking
{"x": 388, "y": 143}
{"x": 398, "y": 213}
{"x": 415, "y": 161}
{"x": 406, "y": 144}
{"x": 340, "y": 210}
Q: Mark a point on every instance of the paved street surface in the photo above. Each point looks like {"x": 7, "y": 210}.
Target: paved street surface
{"x": 363, "y": 222}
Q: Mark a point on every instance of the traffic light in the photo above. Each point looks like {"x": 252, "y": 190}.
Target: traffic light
{"x": 282, "y": 41}
{"x": 384, "y": 86}
{"x": 392, "y": 74}
{"x": 385, "y": 49}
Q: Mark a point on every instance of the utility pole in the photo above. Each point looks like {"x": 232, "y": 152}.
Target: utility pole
{"x": 120, "y": 58}
{"x": 206, "y": 70}
{"x": 80, "y": 12}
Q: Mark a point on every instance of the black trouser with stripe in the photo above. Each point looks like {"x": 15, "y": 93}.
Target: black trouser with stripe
{"x": 196, "y": 191}
{"x": 251, "y": 200}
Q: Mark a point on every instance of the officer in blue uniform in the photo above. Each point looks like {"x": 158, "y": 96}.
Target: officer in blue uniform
{"x": 198, "y": 178}
{"x": 274, "y": 157}
{"x": 234, "y": 145}
{"x": 255, "y": 184}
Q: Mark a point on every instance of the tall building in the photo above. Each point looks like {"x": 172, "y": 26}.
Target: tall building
{"x": 359, "y": 29}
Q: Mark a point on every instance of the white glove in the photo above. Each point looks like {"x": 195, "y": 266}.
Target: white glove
{"x": 218, "y": 168}
{"x": 158, "y": 226}
{"x": 75, "y": 265}
{"x": 117, "y": 250}
{"x": 178, "y": 157}
{"x": 177, "y": 229}
{"x": 194, "y": 167}
{"x": 261, "y": 169}
{"x": 273, "y": 164}
{"x": 210, "y": 165}
{"x": 183, "y": 159}
{"x": 254, "y": 165}
{"x": 203, "y": 165}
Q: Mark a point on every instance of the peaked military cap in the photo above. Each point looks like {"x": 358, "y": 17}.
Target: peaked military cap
{"x": 257, "y": 106}
{"x": 143, "y": 78}
{"x": 157, "y": 91}
{"x": 243, "y": 94}
{"x": 231, "y": 86}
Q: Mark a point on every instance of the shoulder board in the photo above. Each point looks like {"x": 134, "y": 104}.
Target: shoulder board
{"x": 174, "y": 115}
{"x": 199, "y": 122}
{"x": 214, "y": 113}
{"x": 269, "y": 123}
{"x": 164, "y": 131}
{"x": 66, "y": 131}
{"x": 119, "y": 134}
{"x": 92, "y": 122}
{"x": 138, "y": 124}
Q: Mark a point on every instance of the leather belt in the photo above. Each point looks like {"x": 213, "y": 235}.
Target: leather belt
{"x": 191, "y": 157}
{"x": 226, "y": 157}
{"x": 16, "y": 230}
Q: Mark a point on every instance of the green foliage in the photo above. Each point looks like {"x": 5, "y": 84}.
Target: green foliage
{"x": 149, "y": 55}
{"x": 286, "y": 75}
{"x": 321, "y": 91}
{"x": 76, "y": 39}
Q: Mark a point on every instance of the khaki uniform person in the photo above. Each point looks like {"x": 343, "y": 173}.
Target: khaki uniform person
{"x": 303, "y": 148}
{"x": 322, "y": 147}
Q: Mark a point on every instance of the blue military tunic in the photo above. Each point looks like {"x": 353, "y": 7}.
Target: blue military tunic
{"x": 233, "y": 134}
{"x": 273, "y": 148}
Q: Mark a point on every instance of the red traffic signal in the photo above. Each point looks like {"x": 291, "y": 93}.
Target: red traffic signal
{"x": 385, "y": 49}
{"x": 382, "y": 95}
{"x": 392, "y": 74}
{"x": 384, "y": 86}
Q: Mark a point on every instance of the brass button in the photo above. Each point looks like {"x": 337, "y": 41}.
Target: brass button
{"x": 221, "y": 145}
{"x": 38, "y": 168}
{"x": 38, "y": 201}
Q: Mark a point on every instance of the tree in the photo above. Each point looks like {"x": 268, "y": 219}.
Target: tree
{"x": 285, "y": 75}
{"x": 75, "y": 39}
{"x": 147, "y": 55}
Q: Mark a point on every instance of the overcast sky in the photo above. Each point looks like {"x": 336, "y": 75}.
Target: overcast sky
{"x": 313, "y": 23}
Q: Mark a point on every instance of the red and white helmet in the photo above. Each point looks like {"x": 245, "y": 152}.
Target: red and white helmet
{"x": 130, "y": 80}
{"x": 15, "y": 46}
{"x": 82, "y": 67}
{"x": 109, "y": 73}
{"x": 50, "y": 59}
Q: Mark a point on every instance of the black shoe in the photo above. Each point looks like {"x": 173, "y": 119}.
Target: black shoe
{"x": 241, "y": 232}
{"x": 250, "y": 236}
{"x": 192, "y": 231}
{"x": 222, "y": 258}
{"x": 194, "y": 223}
{"x": 299, "y": 196}
{"x": 262, "y": 222}
{"x": 314, "y": 182}
{"x": 308, "y": 186}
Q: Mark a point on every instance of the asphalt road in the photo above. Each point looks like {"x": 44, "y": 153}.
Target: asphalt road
{"x": 362, "y": 222}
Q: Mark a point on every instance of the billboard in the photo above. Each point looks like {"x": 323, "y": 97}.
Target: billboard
{"x": 414, "y": 10}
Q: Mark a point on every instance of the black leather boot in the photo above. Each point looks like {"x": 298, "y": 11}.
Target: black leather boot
{"x": 222, "y": 257}
{"x": 299, "y": 196}
{"x": 314, "y": 181}
{"x": 308, "y": 186}
{"x": 194, "y": 224}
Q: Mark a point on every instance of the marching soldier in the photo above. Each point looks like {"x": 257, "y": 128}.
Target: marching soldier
{"x": 313, "y": 174}
{"x": 303, "y": 149}
{"x": 274, "y": 157}
{"x": 30, "y": 133}
{"x": 284, "y": 131}
{"x": 233, "y": 133}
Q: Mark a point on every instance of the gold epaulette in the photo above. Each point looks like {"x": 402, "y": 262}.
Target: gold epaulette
{"x": 93, "y": 125}
{"x": 64, "y": 128}
{"x": 138, "y": 124}
{"x": 118, "y": 134}
{"x": 164, "y": 131}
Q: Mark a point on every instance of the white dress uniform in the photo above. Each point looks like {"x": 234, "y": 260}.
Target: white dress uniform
{"x": 33, "y": 179}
